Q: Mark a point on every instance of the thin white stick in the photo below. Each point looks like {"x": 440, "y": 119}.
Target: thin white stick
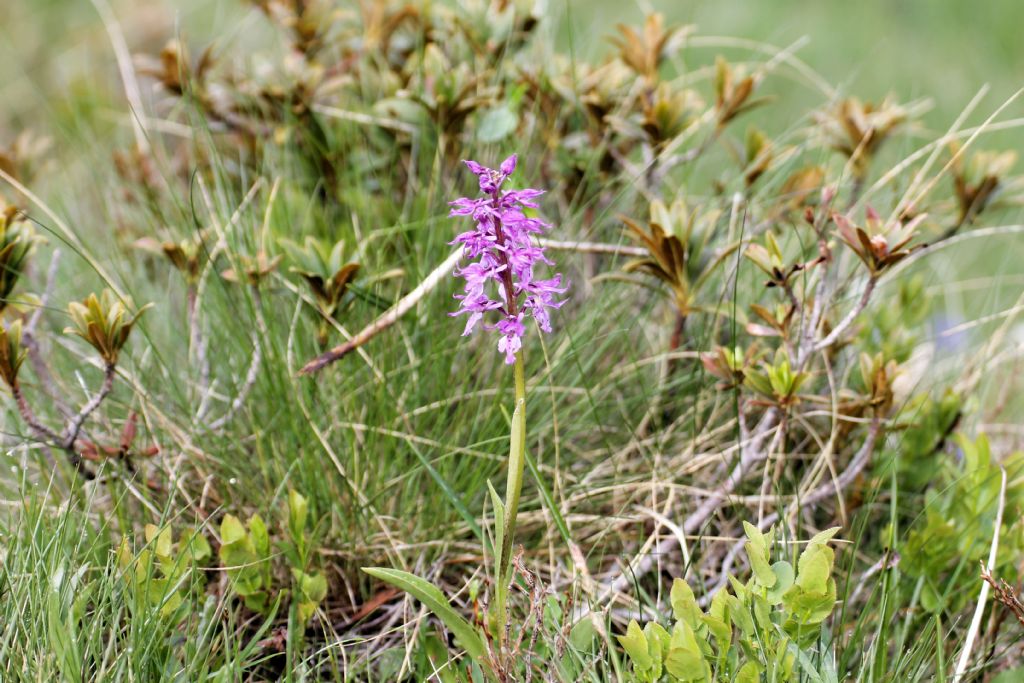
{"x": 366, "y": 119}
{"x": 124, "y": 65}
{"x": 389, "y": 318}
{"x": 972, "y": 633}
{"x": 593, "y": 248}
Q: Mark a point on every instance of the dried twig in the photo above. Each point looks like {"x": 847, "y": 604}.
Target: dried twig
{"x": 1004, "y": 593}
{"x": 75, "y": 427}
{"x": 845, "y": 323}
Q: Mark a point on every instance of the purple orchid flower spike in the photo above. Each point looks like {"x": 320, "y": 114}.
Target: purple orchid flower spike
{"x": 503, "y": 276}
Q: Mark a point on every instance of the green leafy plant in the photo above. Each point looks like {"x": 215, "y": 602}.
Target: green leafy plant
{"x": 105, "y": 322}
{"x": 978, "y": 180}
{"x": 247, "y": 555}
{"x": 308, "y": 588}
{"x": 880, "y": 245}
{"x": 858, "y": 129}
{"x": 162, "y": 576}
{"x": 188, "y": 256}
{"x": 765, "y": 628}
{"x": 777, "y": 380}
{"x": 322, "y": 266}
{"x": 958, "y": 523}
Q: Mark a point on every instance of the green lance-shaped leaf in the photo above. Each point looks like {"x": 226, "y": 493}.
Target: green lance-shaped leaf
{"x": 431, "y": 596}
{"x": 499, "y": 522}
{"x": 685, "y": 660}
{"x": 298, "y": 512}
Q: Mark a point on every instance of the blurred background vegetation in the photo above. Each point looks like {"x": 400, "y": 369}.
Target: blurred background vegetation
{"x": 944, "y": 49}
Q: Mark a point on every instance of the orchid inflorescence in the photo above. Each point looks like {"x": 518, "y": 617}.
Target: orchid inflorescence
{"x": 503, "y": 243}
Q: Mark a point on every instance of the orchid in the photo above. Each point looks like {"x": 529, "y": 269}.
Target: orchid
{"x": 503, "y": 277}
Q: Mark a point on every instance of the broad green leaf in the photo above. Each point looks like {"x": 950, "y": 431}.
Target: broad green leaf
{"x": 431, "y": 596}
{"x": 684, "y": 604}
{"x": 1009, "y": 676}
{"x": 497, "y": 124}
{"x": 762, "y": 611}
{"x": 719, "y": 607}
{"x": 124, "y": 555}
{"x": 582, "y": 635}
{"x": 811, "y": 608}
{"x": 759, "y": 564}
{"x": 298, "y": 511}
{"x": 815, "y": 567}
{"x": 657, "y": 645}
{"x": 306, "y": 609}
{"x": 199, "y": 548}
{"x": 739, "y": 616}
{"x": 635, "y": 645}
{"x": 164, "y": 542}
{"x": 312, "y": 586}
{"x": 754, "y": 535}
{"x": 748, "y": 673}
{"x": 784, "y": 577}
{"x": 260, "y": 537}
{"x": 685, "y": 660}
{"x": 231, "y": 530}
{"x": 720, "y": 629}
{"x": 824, "y": 536}
{"x": 434, "y": 651}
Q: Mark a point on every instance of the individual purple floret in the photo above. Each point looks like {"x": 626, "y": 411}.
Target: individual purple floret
{"x": 505, "y": 258}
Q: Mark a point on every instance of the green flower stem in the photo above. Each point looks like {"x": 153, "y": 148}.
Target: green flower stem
{"x": 514, "y": 486}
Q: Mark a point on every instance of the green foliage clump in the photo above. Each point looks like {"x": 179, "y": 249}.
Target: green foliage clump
{"x": 323, "y": 268}
{"x": 164, "y": 575}
{"x": 768, "y": 628}
{"x": 958, "y": 525}
{"x": 247, "y": 555}
{"x": 104, "y": 322}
